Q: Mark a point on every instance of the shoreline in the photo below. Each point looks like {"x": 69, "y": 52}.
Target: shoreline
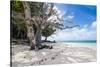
{"x": 94, "y": 47}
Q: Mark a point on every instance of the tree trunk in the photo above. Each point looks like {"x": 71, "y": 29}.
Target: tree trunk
{"x": 34, "y": 37}
{"x": 36, "y": 41}
{"x": 30, "y": 30}
{"x": 38, "y": 38}
{"x": 45, "y": 39}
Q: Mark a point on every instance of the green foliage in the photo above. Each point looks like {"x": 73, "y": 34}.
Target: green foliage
{"x": 17, "y": 6}
{"x": 18, "y": 28}
{"x": 48, "y": 31}
{"x": 37, "y": 9}
{"x": 18, "y": 25}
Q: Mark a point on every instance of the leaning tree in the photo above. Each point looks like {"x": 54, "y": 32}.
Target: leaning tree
{"x": 41, "y": 17}
{"x": 36, "y": 16}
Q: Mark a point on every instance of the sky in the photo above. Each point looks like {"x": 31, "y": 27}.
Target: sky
{"x": 82, "y": 15}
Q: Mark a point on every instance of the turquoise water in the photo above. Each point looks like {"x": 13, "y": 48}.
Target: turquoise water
{"x": 90, "y": 43}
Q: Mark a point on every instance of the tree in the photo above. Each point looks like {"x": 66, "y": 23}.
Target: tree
{"x": 36, "y": 17}
{"x": 48, "y": 31}
{"x": 18, "y": 26}
{"x": 39, "y": 20}
{"x": 33, "y": 20}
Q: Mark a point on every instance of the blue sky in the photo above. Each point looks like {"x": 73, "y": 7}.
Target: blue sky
{"x": 82, "y": 15}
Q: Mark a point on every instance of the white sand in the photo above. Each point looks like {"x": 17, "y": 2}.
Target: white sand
{"x": 60, "y": 54}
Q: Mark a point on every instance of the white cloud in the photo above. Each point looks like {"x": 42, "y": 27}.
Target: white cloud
{"x": 54, "y": 17}
{"x": 93, "y": 25}
{"x": 56, "y": 8}
{"x": 70, "y": 17}
{"x": 85, "y": 33}
{"x": 88, "y": 32}
{"x": 61, "y": 14}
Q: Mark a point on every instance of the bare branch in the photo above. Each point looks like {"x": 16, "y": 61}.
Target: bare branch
{"x": 69, "y": 27}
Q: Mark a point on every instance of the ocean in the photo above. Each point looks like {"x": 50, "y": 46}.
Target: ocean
{"x": 90, "y": 43}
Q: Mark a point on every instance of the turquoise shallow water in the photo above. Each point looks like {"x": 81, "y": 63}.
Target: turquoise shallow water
{"x": 90, "y": 43}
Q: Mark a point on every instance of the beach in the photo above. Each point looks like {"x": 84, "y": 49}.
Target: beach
{"x": 60, "y": 54}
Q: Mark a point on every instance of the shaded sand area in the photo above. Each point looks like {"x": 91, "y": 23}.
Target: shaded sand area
{"x": 60, "y": 54}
